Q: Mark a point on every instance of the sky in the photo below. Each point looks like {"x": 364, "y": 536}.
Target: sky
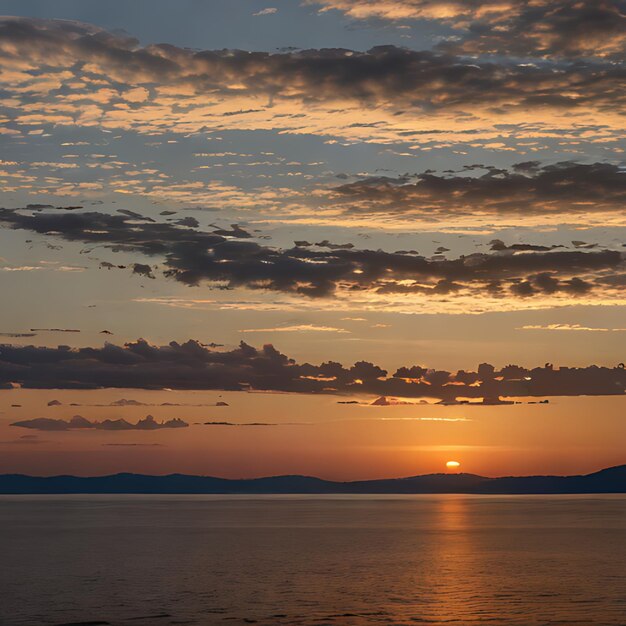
{"x": 300, "y": 208}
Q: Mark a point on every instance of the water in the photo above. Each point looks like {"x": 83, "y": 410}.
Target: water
{"x": 313, "y": 560}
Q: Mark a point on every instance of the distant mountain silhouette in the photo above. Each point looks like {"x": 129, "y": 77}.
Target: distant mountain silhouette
{"x": 611, "y": 480}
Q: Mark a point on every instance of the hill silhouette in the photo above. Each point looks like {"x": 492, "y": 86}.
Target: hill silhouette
{"x": 610, "y": 480}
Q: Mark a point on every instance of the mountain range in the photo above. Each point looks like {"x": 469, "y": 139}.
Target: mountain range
{"x": 610, "y": 480}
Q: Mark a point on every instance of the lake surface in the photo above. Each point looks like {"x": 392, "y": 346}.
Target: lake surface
{"x": 313, "y": 560}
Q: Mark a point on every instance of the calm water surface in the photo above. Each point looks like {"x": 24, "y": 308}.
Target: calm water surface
{"x": 313, "y": 560}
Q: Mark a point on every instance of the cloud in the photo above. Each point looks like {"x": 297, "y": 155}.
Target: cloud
{"x": 571, "y": 327}
{"x": 240, "y": 424}
{"x": 24, "y": 440}
{"x": 141, "y": 269}
{"x": 192, "y": 365}
{"x": 527, "y": 189}
{"x": 306, "y": 328}
{"x": 54, "y": 330}
{"x": 80, "y": 423}
{"x": 76, "y": 74}
{"x": 568, "y": 28}
{"x": 131, "y": 402}
{"x": 268, "y": 11}
{"x": 235, "y": 231}
{"x": 386, "y": 401}
{"x": 448, "y": 10}
{"x": 193, "y": 257}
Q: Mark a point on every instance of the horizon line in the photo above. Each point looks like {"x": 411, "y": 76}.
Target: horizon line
{"x": 310, "y": 476}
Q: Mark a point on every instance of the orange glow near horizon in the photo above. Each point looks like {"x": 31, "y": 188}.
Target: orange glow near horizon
{"x": 318, "y": 437}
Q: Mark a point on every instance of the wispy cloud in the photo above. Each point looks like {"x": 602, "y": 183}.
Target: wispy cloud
{"x": 307, "y": 328}
{"x": 267, "y": 11}
{"x": 571, "y": 327}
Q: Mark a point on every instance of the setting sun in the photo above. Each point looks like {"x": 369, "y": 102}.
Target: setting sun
{"x": 453, "y": 465}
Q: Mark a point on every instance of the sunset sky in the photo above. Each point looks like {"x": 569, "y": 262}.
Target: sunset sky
{"x": 387, "y": 193}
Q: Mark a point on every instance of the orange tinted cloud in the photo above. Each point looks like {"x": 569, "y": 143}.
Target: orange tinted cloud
{"x": 105, "y": 80}
{"x": 567, "y": 28}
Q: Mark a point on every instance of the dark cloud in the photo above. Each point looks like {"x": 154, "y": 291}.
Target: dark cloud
{"x": 616, "y": 280}
{"x": 499, "y": 246}
{"x": 126, "y": 402}
{"x": 385, "y": 75}
{"x": 526, "y": 189}
{"x": 547, "y": 283}
{"x": 193, "y": 257}
{"x": 80, "y": 423}
{"x": 141, "y": 269}
{"x": 41, "y": 207}
{"x": 134, "y": 215}
{"x": 38, "y": 207}
{"x": 54, "y": 330}
{"x": 548, "y": 28}
{"x": 190, "y": 222}
{"x": 235, "y": 231}
{"x": 120, "y": 232}
{"x": 334, "y": 246}
{"x": 131, "y": 402}
{"x": 192, "y": 365}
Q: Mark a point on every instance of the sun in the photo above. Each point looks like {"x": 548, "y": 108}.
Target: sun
{"x": 453, "y": 465}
